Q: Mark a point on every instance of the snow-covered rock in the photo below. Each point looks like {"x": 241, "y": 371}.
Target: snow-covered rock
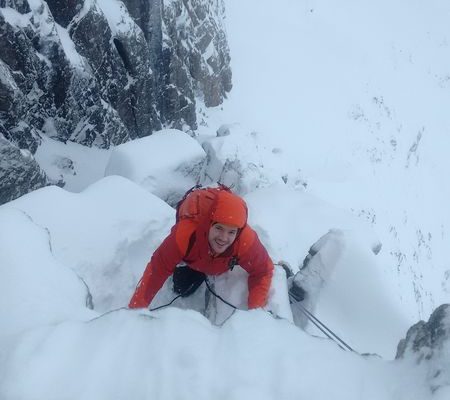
{"x": 231, "y": 287}
{"x": 344, "y": 281}
{"x": 167, "y": 163}
{"x": 35, "y": 289}
{"x": 106, "y": 233}
{"x": 19, "y": 172}
{"x": 346, "y": 289}
{"x": 100, "y": 73}
{"x": 237, "y": 158}
{"x": 428, "y": 344}
{"x": 75, "y": 165}
{"x": 176, "y": 353}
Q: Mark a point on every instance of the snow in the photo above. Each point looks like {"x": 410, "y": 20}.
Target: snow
{"x": 68, "y": 46}
{"x": 237, "y": 158}
{"x": 334, "y": 137}
{"x": 77, "y": 165}
{"x": 6, "y": 78}
{"x": 118, "y": 17}
{"x": 14, "y": 18}
{"x": 353, "y": 294}
{"x": 105, "y": 235}
{"x": 35, "y": 289}
{"x": 110, "y": 254}
{"x": 346, "y": 101}
{"x": 166, "y": 163}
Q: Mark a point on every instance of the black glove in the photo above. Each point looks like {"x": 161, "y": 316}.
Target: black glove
{"x": 186, "y": 280}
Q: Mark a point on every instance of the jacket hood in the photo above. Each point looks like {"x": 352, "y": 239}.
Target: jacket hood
{"x": 231, "y": 210}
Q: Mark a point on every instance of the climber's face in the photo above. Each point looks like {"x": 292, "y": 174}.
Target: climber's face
{"x": 221, "y": 236}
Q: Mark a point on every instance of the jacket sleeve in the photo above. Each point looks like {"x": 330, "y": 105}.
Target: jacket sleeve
{"x": 253, "y": 257}
{"x": 161, "y": 265}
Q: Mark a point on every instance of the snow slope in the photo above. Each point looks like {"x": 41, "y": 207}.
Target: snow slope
{"x": 354, "y": 95}
{"x": 56, "y": 346}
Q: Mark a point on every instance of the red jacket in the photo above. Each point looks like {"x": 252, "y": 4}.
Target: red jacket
{"x": 251, "y": 255}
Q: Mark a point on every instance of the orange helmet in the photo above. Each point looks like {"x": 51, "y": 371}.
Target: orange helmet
{"x": 230, "y": 210}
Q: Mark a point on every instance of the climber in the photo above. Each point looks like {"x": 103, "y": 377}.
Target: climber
{"x": 211, "y": 235}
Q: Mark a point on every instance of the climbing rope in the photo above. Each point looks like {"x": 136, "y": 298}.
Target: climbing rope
{"x": 294, "y": 301}
{"x": 320, "y": 325}
{"x": 220, "y": 298}
{"x": 168, "y": 304}
{"x": 188, "y": 289}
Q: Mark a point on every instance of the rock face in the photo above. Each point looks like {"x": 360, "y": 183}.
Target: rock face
{"x": 18, "y": 170}
{"x": 103, "y": 72}
{"x": 428, "y": 343}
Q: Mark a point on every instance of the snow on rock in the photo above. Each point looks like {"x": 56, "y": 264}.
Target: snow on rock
{"x": 178, "y": 354}
{"x": 344, "y": 281}
{"x": 166, "y": 163}
{"x": 428, "y": 343}
{"x": 106, "y": 233}
{"x": 289, "y": 221}
{"x": 137, "y": 354}
{"x": 35, "y": 288}
{"x": 233, "y": 288}
{"x": 27, "y": 173}
{"x": 75, "y": 165}
{"x": 318, "y": 268}
{"x": 237, "y": 159}
{"x": 346, "y": 288}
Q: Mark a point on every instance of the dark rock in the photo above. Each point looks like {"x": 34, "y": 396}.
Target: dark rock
{"x": 425, "y": 338}
{"x": 21, "y": 6}
{"x": 64, "y": 10}
{"x": 100, "y": 82}
{"x": 428, "y": 343}
{"x": 136, "y": 79}
{"x": 93, "y": 37}
{"x": 189, "y": 54}
{"x": 297, "y": 292}
{"x": 224, "y": 130}
{"x": 19, "y": 172}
